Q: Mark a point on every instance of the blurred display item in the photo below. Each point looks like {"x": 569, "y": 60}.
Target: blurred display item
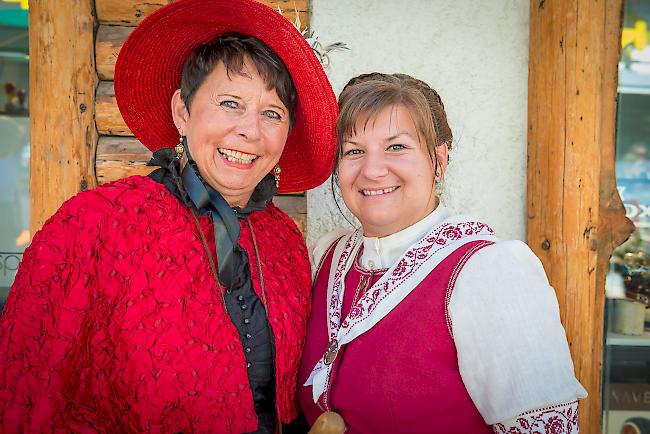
{"x": 632, "y": 262}
{"x": 628, "y": 317}
{"x": 16, "y": 100}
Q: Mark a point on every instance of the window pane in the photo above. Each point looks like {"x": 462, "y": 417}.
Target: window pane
{"x": 626, "y": 385}
{"x": 14, "y": 141}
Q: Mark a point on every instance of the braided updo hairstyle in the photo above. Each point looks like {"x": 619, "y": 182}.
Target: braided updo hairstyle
{"x": 366, "y": 95}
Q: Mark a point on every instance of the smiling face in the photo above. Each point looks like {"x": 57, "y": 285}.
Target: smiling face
{"x": 385, "y": 173}
{"x": 236, "y": 130}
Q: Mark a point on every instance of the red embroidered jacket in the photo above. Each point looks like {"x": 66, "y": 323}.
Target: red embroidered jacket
{"x": 114, "y": 322}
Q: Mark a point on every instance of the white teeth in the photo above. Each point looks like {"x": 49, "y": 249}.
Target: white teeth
{"x": 378, "y": 192}
{"x": 236, "y": 156}
{"x": 237, "y": 160}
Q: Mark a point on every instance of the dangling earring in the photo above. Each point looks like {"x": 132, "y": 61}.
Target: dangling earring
{"x": 179, "y": 148}
{"x": 276, "y": 174}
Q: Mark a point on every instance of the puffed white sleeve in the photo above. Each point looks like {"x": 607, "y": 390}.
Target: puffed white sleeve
{"x": 317, "y": 252}
{"x": 512, "y": 350}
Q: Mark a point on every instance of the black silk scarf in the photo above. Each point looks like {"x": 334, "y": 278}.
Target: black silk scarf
{"x": 232, "y": 260}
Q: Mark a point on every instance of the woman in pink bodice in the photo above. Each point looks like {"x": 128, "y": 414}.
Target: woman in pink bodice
{"x": 424, "y": 321}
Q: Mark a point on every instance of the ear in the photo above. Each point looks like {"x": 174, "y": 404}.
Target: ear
{"x": 442, "y": 157}
{"x": 180, "y": 114}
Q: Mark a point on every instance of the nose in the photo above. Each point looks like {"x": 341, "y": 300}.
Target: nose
{"x": 249, "y": 126}
{"x": 374, "y": 165}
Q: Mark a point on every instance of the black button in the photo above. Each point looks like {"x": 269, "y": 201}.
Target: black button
{"x": 240, "y": 297}
{"x": 248, "y": 336}
{"x": 243, "y": 307}
{"x": 246, "y": 320}
{"x": 248, "y": 349}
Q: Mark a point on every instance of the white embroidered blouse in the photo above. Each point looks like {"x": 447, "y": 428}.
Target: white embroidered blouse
{"x": 512, "y": 350}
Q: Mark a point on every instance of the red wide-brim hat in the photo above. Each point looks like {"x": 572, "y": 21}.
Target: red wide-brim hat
{"x": 148, "y": 72}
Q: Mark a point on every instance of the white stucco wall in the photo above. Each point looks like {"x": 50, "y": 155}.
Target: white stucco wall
{"x": 475, "y": 53}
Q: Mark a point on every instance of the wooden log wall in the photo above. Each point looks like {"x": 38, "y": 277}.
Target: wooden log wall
{"x": 82, "y": 140}
{"x": 575, "y": 215}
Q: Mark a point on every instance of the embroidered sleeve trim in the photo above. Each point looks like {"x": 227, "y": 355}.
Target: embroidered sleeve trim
{"x": 556, "y": 419}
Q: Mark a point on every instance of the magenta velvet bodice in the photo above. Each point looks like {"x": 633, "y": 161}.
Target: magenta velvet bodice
{"x": 402, "y": 375}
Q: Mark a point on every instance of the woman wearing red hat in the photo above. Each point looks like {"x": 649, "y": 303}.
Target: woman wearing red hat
{"x": 178, "y": 302}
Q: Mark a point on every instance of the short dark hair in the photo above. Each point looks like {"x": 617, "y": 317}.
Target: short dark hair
{"x": 233, "y": 49}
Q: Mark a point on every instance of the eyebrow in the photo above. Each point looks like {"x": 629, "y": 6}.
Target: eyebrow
{"x": 388, "y": 139}
{"x": 229, "y": 94}
{"x": 240, "y": 98}
{"x": 279, "y": 108}
{"x": 393, "y": 137}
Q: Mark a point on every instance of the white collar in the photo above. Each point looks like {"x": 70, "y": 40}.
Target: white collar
{"x": 380, "y": 253}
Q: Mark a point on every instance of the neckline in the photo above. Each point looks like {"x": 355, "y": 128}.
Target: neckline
{"x": 384, "y": 251}
{"x": 358, "y": 266}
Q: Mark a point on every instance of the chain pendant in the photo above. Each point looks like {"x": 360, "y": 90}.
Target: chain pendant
{"x": 332, "y": 352}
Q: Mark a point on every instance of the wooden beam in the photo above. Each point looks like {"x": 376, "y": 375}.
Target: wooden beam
{"x": 119, "y": 157}
{"x": 108, "y": 117}
{"x": 109, "y": 42}
{"x": 296, "y": 207}
{"x": 575, "y": 216}
{"x": 62, "y": 103}
{"x": 131, "y": 12}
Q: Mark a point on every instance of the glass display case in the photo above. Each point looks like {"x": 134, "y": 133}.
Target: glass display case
{"x": 626, "y": 371}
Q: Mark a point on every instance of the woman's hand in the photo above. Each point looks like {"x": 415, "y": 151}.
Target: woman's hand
{"x": 328, "y": 423}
